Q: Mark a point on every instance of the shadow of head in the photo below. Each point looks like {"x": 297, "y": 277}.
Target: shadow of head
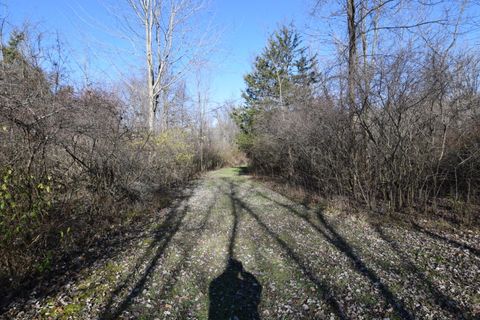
{"x": 234, "y": 267}
{"x": 235, "y": 294}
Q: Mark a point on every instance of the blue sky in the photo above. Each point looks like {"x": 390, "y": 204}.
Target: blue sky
{"x": 240, "y": 29}
{"x": 87, "y": 27}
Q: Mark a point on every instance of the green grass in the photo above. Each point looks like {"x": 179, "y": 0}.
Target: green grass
{"x": 279, "y": 248}
{"x": 229, "y": 172}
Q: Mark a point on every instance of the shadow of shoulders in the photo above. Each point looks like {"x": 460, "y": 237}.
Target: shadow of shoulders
{"x": 235, "y": 294}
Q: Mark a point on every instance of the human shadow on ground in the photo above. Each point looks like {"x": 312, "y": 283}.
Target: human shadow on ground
{"x": 235, "y": 294}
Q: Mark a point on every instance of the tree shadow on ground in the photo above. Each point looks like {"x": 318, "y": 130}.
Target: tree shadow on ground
{"x": 236, "y": 293}
{"x": 195, "y": 232}
{"x": 333, "y": 237}
{"x": 443, "y": 301}
{"x": 69, "y": 268}
{"x": 244, "y": 170}
{"x": 163, "y": 234}
{"x": 324, "y": 290}
{"x": 451, "y": 242}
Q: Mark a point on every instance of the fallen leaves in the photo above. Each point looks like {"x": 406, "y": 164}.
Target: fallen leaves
{"x": 302, "y": 262}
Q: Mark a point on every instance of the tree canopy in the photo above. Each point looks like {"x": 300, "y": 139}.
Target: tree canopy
{"x": 283, "y": 66}
{"x": 283, "y": 74}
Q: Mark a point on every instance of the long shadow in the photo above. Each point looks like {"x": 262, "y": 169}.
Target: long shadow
{"x": 243, "y": 170}
{"x": 173, "y": 275}
{"x": 236, "y": 293}
{"x": 325, "y": 292}
{"x": 69, "y": 267}
{"x": 162, "y": 237}
{"x": 233, "y": 234}
{"x": 342, "y": 245}
{"x": 442, "y": 300}
{"x": 451, "y": 242}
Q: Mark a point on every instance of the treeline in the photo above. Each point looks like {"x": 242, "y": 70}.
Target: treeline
{"x": 396, "y": 128}
{"x": 76, "y": 165}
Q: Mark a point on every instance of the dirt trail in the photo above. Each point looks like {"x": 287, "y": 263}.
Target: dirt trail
{"x": 234, "y": 249}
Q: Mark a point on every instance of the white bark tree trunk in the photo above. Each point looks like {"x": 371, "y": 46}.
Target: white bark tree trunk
{"x": 166, "y": 58}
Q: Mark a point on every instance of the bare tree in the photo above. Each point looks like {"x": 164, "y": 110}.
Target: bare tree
{"x": 352, "y": 50}
{"x": 167, "y": 54}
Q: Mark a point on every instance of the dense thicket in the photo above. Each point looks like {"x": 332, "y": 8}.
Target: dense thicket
{"x": 74, "y": 165}
{"x": 411, "y": 138}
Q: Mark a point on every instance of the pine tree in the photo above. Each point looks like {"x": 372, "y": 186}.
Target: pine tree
{"x": 282, "y": 67}
{"x": 11, "y": 52}
{"x": 281, "y": 74}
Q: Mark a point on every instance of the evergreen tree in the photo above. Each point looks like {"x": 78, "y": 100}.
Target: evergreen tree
{"x": 282, "y": 74}
{"x": 283, "y": 66}
{"x": 11, "y": 52}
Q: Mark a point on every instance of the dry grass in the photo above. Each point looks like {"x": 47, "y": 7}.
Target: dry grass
{"x": 295, "y": 263}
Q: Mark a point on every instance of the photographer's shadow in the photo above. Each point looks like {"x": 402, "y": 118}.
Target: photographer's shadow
{"x": 235, "y": 294}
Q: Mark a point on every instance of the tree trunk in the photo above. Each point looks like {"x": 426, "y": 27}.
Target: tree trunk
{"x": 152, "y": 101}
{"x": 352, "y": 52}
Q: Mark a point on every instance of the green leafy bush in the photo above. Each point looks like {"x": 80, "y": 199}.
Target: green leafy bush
{"x": 25, "y": 201}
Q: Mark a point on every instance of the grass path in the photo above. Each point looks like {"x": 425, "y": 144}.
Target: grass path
{"x": 234, "y": 249}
